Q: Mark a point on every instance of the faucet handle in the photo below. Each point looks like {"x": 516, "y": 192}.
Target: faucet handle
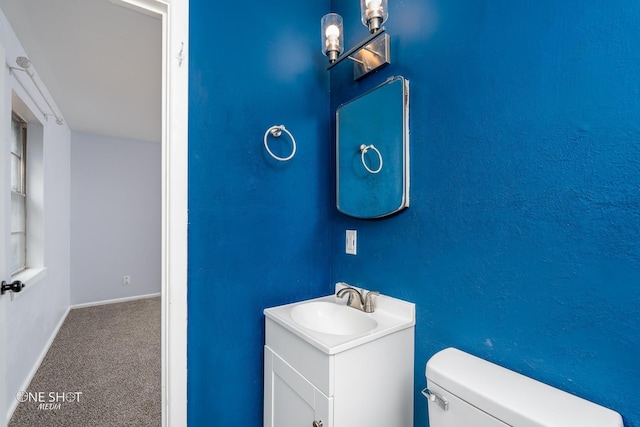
{"x": 368, "y": 303}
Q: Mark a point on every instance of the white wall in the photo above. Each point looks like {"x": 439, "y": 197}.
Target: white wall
{"x": 38, "y": 310}
{"x": 115, "y": 217}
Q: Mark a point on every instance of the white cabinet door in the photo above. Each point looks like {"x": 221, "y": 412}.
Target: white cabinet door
{"x": 291, "y": 400}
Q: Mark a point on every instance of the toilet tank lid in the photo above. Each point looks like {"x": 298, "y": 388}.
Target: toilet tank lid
{"x": 511, "y": 397}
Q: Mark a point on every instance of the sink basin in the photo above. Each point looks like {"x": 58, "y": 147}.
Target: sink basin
{"x": 331, "y": 318}
{"x": 330, "y": 326}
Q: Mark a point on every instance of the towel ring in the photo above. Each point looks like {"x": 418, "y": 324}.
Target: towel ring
{"x": 363, "y": 151}
{"x": 276, "y": 131}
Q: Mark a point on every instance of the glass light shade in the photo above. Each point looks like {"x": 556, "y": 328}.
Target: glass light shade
{"x": 374, "y": 13}
{"x": 332, "y": 36}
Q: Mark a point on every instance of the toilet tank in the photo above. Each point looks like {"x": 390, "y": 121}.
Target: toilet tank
{"x": 465, "y": 390}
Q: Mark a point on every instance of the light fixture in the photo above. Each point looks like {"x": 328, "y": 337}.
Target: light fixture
{"x": 374, "y": 13}
{"x": 332, "y": 40}
{"x": 371, "y": 53}
{"x": 25, "y": 63}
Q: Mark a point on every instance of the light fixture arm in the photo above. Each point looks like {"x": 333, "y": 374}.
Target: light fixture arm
{"x": 370, "y": 54}
{"x": 358, "y": 47}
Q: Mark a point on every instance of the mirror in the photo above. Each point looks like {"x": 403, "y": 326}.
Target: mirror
{"x": 372, "y": 151}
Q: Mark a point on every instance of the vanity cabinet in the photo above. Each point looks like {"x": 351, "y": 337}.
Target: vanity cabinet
{"x": 368, "y": 385}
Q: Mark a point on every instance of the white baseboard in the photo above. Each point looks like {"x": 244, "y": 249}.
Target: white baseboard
{"x": 36, "y": 365}
{"x": 115, "y": 301}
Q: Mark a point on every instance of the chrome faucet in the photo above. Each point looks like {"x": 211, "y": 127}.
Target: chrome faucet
{"x": 355, "y": 299}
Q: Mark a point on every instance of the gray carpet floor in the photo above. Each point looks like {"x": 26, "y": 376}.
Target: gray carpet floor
{"x": 103, "y": 369}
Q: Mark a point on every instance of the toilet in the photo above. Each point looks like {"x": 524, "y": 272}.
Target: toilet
{"x": 466, "y": 391}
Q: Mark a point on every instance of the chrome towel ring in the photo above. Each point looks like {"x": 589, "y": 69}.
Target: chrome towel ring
{"x": 276, "y": 131}
{"x": 363, "y": 151}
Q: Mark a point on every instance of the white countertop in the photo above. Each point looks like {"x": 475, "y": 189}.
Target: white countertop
{"x": 390, "y": 315}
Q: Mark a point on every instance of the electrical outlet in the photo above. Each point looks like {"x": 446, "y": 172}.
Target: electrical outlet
{"x": 126, "y": 280}
{"x": 351, "y": 244}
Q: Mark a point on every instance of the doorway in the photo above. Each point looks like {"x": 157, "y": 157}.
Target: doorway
{"x": 174, "y": 17}
{"x": 175, "y": 37}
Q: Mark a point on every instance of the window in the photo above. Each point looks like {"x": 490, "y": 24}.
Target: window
{"x": 18, "y": 194}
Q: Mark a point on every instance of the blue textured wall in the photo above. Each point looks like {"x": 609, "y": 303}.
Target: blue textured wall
{"x": 258, "y": 229}
{"x": 522, "y": 242}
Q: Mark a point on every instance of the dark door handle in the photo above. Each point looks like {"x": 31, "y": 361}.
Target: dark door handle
{"x": 15, "y": 286}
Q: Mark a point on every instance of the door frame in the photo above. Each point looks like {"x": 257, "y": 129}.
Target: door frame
{"x": 175, "y": 74}
{"x": 3, "y": 270}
